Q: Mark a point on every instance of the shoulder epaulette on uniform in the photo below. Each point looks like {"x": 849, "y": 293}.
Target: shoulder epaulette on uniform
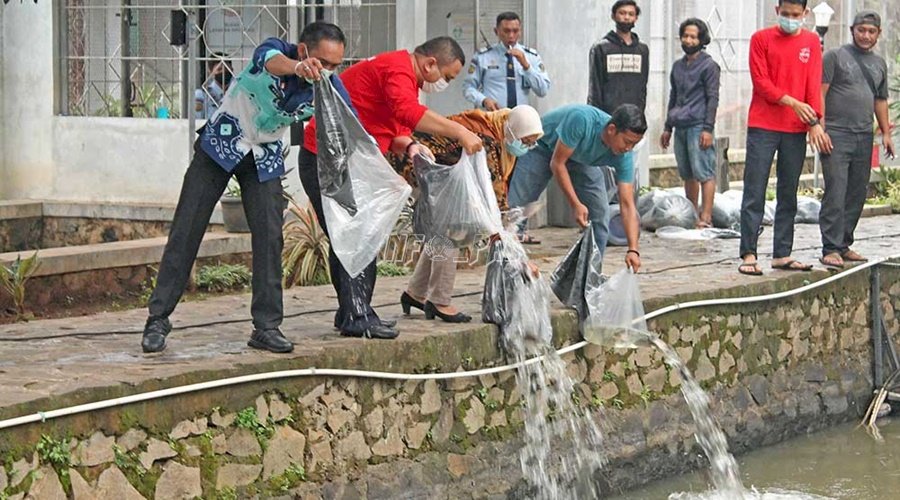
{"x": 530, "y": 51}
{"x": 482, "y": 51}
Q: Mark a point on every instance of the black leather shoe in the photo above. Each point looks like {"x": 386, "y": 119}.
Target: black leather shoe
{"x": 379, "y": 331}
{"x": 155, "y": 331}
{"x": 431, "y": 311}
{"x": 407, "y": 302}
{"x": 271, "y": 340}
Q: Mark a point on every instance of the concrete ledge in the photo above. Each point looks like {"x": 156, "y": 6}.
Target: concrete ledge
{"x": 123, "y": 253}
{"x": 20, "y": 209}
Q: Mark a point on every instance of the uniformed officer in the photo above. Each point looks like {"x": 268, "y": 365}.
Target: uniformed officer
{"x": 503, "y": 75}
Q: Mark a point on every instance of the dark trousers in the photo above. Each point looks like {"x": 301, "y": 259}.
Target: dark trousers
{"x": 846, "y": 171}
{"x": 355, "y": 313}
{"x": 264, "y": 204}
{"x": 761, "y": 148}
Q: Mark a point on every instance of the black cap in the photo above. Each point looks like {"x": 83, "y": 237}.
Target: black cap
{"x": 869, "y": 17}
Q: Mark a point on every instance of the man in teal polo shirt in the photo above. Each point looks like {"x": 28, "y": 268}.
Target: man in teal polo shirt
{"x": 579, "y": 139}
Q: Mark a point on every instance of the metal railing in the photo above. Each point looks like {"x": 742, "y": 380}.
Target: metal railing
{"x": 116, "y": 58}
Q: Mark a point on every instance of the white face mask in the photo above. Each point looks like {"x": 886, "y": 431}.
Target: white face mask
{"x": 435, "y": 87}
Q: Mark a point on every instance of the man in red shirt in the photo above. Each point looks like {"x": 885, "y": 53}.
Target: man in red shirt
{"x": 384, "y": 91}
{"x": 786, "y": 69}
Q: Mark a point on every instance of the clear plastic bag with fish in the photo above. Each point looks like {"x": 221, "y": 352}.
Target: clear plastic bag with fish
{"x": 616, "y": 313}
{"x": 362, "y": 196}
{"x": 726, "y": 212}
{"x": 456, "y": 202}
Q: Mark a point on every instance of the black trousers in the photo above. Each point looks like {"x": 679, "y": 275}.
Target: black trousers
{"x": 355, "y": 313}
{"x": 846, "y": 171}
{"x": 264, "y": 204}
{"x": 761, "y": 148}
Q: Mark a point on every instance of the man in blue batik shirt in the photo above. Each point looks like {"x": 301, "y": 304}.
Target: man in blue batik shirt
{"x": 243, "y": 139}
{"x": 503, "y": 75}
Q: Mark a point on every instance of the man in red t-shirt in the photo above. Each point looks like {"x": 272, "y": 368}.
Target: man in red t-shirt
{"x": 384, "y": 91}
{"x": 786, "y": 69}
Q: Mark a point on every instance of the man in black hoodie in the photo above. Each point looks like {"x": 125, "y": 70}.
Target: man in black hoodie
{"x": 620, "y": 63}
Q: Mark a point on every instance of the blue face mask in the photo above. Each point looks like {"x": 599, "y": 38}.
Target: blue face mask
{"x": 517, "y": 148}
{"x": 788, "y": 25}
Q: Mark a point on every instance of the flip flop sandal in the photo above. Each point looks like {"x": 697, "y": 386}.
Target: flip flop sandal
{"x": 853, "y": 257}
{"x": 790, "y": 266}
{"x": 755, "y": 272}
{"x": 529, "y": 240}
{"x": 830, "y": 264}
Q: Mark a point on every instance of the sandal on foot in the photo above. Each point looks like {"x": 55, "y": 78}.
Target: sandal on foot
{"x": 852, "y": 256}
{"x": 792, "y": 265}
{"x": 528, "y": 239}
{"x": 754, "y": 269}
{"x": 832, "y": 260}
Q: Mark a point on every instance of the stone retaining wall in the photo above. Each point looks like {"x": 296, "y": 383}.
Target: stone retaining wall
{"x": 773, "y": 370}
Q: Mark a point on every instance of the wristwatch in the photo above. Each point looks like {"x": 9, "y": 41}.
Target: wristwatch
{"x": 814, "y": 122}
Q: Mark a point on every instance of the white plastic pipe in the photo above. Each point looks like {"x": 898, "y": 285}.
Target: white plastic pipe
{"x": 334, "y": 372}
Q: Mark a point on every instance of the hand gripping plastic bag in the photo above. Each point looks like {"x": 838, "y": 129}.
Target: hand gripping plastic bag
{"x": 617, "y": 313}
{"x": 362, "y": 196}
{"x": 457, "y": 202}
{"x": 662, "y": 208}
{"x": 578, "y": 275}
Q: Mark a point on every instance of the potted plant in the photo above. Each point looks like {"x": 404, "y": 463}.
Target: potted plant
{"x": 233, "y": 209}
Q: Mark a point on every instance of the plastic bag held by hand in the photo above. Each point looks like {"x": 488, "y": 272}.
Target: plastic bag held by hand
{"x": 362, "y": 196}
{"x": 577, "y": 277}
{"x": 457, "y": 202}
{"x": 614, "y": 308}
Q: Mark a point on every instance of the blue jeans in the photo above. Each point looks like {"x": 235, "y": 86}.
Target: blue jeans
{"x": 694, "y": 162}
{"x": 530, "y": 178}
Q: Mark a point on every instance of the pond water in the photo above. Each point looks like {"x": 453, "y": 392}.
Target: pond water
{"x": 843, "y": 462}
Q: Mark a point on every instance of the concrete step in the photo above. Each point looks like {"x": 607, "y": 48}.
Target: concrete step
{"x": 54, "y": 261}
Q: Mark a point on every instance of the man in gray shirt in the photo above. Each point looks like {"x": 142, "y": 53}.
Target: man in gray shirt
{"x": 854, "y": 88}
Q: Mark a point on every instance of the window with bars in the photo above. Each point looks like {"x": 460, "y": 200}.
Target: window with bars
{"x": 116, "y": 58}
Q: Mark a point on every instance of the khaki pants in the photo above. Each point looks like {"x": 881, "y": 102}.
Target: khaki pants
{"x": 433, "y": 278}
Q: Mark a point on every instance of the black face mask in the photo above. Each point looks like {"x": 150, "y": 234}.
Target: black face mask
{"x": 691, "y": 49}
{"x": 223, "y": 79}
{"x": 624, "y": 27}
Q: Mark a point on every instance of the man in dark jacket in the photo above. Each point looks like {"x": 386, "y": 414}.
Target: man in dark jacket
{"x": 693, "y": 102}
{"x": 620, "y": 64}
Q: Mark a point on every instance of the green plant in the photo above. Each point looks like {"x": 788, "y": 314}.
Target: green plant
{"x": 618, "y": 403}
{"x": 227, "y": 494}
{"x": 888, "y": 187}
{"x": 233, "y": 189}
{"x": 305, "y": 255}
{"x": 148, "y": 286}
{"x": 646, "y": 395}
{"x": 597, "y": 402}
{"x": 55, "y": 453}
{"x": 387, "y": 269}
{"x": 14, "y": 278}
{"x": 770, "y": 195}
{"x": 128, "y": 461}
{"x": 609, "y": 376}
{"x": 292, "y": 475}
{"x": 247, "y": 419}
{"x": 222, "y": 277}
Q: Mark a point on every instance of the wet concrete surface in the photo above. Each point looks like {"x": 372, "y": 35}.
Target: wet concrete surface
{"x": 52, "y": 358}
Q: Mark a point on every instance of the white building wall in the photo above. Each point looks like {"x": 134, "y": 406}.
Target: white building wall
{"x": 27, "y": 96}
